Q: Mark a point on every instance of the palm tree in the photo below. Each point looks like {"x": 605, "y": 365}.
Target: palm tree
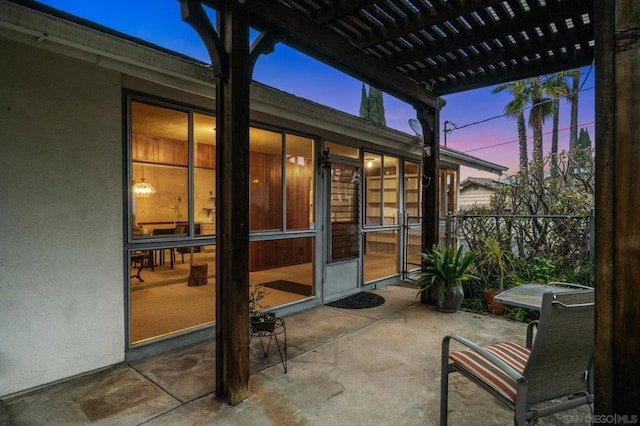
{"x": 573, "y": 133}
{"x": 557, "y": 87}
{"x": 515, "y": 109}
{"x": 541, "y": 109}
{"x": 540, "y": 95}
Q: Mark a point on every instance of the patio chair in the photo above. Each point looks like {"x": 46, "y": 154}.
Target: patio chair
{"x": 556, "y": 367}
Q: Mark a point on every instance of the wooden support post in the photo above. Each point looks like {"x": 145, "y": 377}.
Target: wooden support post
{"x": 232, "y": 180}
{"x": 230, "y": 48}
{"x": 429, "y": 119}
{"x": 617, "y": 287}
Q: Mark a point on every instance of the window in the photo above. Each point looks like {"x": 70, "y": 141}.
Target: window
{"x": 381, "y": 189}
{"x": 270, "y": 189}
{"x": 412, "y": 189}
{"x": 171, "y": 249}
{"x": 159, "y": 154}
{"x": 381, "y": 255}
{"x": 265, "y": 180}
{"x": 448, "y": 191}
{"x": 171, "y": 206}
{"x": 160, "y": 159}
{"x": 300, "y": 182}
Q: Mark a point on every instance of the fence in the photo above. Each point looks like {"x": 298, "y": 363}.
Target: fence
{"x": 565, "y": 241}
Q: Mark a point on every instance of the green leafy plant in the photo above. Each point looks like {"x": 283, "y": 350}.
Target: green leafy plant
{"x": 445, "y": 267}
{"x": 537, "y": 270}
{"x": 517, "y": 314}
{"x": 257, "y": 292}
{"x": 493, "y": 264}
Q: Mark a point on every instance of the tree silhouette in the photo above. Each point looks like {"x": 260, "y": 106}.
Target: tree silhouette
{"x": 372, "y": 106}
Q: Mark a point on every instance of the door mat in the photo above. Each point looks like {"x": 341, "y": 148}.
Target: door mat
{"x": 358, "y": 301}
{"x": 289, "y": 286}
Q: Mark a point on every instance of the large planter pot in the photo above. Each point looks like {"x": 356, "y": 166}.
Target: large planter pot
{"x": 425, "y": 297}
{"x": 494, "y": 306}
{"x": 448, "y": 300}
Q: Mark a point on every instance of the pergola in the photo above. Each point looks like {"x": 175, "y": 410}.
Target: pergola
{"x": 418, "y": 51}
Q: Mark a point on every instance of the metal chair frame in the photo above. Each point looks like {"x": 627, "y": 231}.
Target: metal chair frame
{"x": 559, "y": 364}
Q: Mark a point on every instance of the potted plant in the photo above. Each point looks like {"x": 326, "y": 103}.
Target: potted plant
{"x": 443, "y": 271}
{"x": 258, "y": 318}
{"x": 493, "y": 263}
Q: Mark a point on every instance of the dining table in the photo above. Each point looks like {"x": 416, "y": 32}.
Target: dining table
{"x": 529, "y": 296}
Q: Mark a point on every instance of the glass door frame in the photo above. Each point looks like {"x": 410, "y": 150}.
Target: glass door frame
{"x": 351, "y": 268}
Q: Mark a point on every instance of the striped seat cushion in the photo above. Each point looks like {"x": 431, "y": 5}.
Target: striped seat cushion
{"x": 513, "y": 354}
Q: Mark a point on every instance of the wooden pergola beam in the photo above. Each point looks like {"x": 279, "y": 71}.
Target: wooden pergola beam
{"x": 325, "y": 45}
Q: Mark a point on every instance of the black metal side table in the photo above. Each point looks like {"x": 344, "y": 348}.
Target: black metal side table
{"x": 279, "y": 334}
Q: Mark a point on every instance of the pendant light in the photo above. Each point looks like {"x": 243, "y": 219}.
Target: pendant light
{"x": 142, "y": 188}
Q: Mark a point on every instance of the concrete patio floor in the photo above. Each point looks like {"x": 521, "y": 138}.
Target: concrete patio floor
{"x": 377, "y": 366}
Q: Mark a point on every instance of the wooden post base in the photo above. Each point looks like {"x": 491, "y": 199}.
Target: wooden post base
{"x": 198, "y": 275}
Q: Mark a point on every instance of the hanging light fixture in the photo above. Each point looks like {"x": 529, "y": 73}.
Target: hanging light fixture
{"x": 142, "y": 188}
{"x": 369, "y": 162}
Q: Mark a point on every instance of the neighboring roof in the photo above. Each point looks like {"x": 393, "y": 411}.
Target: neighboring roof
{"x": 38, "y": 25}
{"x": 471, "y": 161}
{"x": 484, "y": 182}
{"x": 419, "y": 50}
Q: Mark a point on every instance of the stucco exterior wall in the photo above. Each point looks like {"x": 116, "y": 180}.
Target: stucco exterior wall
{"x": 61, "y": 272}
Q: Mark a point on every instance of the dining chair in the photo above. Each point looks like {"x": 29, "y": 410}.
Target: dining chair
{"x": 183, "y": 229}
{"x": 553, "y": 374}
{"x": 164, "y": 231}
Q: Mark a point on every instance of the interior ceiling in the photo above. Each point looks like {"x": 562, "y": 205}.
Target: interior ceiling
{"x": 418, "y": 50}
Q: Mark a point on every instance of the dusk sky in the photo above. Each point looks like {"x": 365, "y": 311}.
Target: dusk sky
{"x": 159, "y": 22}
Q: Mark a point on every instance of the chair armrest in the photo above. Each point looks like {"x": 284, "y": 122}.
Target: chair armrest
{"x": 485, "y": 353}
{"x": 530, "y": 327}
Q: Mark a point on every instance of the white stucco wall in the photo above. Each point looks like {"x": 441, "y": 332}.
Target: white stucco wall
{"x": 61, "y": 272}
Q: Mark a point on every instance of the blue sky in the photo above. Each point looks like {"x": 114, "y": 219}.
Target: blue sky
{"x": 159, "y": 22}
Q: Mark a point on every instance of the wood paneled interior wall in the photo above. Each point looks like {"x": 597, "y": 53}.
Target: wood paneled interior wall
{"x": 151, "y": 149}
{"x": 299, "y": 181}
{"x": 265, "y": 191}
{"x": 265, "y": 211}
{"x": 277, "y": 253}
{"x": 159, "y": 150}
{"x": 205, "y": 156}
